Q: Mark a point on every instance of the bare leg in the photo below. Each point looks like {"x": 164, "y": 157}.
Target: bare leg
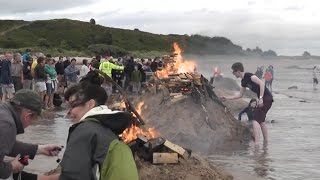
{"x": 50, "y": 102}
{"x": 10, "y": 96}
{"x": 46, "y": 100}
{"x": 42, "y": 96}
{"x": 264, "y": 132}
{"x": 4, "y": 96}
{"x": 256, "y": 131}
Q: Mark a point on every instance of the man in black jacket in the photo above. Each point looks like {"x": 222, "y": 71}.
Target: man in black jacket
{"x": 16, "y": 115}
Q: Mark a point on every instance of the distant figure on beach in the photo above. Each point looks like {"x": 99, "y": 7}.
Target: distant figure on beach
{"x": 268, "y": 78}
{"x": 249, "y": 110}
{"x": 272, "y": 78}
{"x": 315, "y": 76}
{"x": 264, "y": 103}
{"x": 259, "y": 72}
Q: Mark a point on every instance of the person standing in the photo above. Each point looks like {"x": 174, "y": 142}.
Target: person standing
{"x": 51, "y": 83}
{"x": 259, "y": 72}
{"x": 154, "y": 65}
{"x": 26, "y": 56}
{"x": 40, "y": 78}
{"x": 60, "y": 75}
{"x": 71, "y": 73}
{"x": 17, "y": 72}
{"x": 315, "y": 77}
{"x": 268, "y": 78}
{"x": 272, "y": 74}
{"x": 136, "y": 80}
{"x": 107, "y": 68}
{"x": 251, "y": 81}
{"x": 84, "y": 69}
{"x": 6, "y": 77}
{"x": 27, "y": 75}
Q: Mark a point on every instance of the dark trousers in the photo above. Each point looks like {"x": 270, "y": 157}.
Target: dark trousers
{"x": 17, "y": 83}
{"x": 25, "y": 176}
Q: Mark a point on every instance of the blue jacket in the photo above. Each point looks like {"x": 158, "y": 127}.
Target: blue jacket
{"x": 6, "y": 72}
{"x": 71, "y": 73}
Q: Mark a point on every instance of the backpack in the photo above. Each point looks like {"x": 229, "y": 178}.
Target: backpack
{"x": 118, "y": 163}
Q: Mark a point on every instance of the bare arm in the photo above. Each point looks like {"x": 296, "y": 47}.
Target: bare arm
{"x": 242, "y": 90}
{"x": 260, "y": 82}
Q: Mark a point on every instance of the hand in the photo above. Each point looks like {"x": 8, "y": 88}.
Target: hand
{"x": 260, "y": 103}
{"x": 16, "y": 165}
{"x": 49, "y": 177}
{"x": 49, "y": 149}
{"x": 222, "y": 98}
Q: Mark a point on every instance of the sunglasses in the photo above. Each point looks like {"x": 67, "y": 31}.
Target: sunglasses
{"x": 76, "y": 103}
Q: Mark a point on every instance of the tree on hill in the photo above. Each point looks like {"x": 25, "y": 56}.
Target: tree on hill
{"x": 306, "y": 54}
{"x": 43, "y": 42}
{"x": 92, "y": 21}
{"x": 107, "y": 49}
{"x": 77, "y": 36}
{"x": 257, "y": 50}
{"x": 269, "y": 53}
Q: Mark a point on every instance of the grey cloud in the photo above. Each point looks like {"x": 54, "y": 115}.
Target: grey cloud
{"x": 8, "y": 7}
{"x": 241, "y": 27}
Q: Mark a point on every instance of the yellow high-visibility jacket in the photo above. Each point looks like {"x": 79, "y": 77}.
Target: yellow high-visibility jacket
{"x": 107, "y": 67}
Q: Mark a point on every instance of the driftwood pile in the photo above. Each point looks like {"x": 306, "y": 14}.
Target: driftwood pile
{"x": 158, "y": 150}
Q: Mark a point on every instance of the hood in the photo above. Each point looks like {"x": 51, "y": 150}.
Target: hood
{"x": 117, "y": 121}
{"x": 8, "y": 107}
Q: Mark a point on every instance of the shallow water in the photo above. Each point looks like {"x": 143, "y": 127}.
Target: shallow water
{"x": 294, "y": 147}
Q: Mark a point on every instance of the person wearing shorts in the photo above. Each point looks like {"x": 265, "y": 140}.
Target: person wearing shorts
{"x": 59, "y": 66}
{"x": 265, "y": 99}
{"x": 6, "y": 77}
{"x": 7, "y": 91}
{"x": 51, "y": 83}
{"x": 40, "y": 78}
{"x": 315, "y": 77}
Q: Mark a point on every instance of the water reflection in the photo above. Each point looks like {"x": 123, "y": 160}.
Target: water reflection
{"x": 261, "y": 165}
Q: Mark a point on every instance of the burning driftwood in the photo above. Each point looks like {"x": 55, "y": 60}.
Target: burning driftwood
{"x": 157, "y": 150}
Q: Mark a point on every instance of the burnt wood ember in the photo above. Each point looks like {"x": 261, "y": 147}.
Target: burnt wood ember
{"x": 155, "y": 145}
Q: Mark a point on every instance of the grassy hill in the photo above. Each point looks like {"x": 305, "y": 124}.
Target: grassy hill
{"x": 61, "y": 36}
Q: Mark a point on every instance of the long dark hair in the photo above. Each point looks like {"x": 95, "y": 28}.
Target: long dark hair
{"x": 88, "y": 88}
{"x": 252, "y": 100}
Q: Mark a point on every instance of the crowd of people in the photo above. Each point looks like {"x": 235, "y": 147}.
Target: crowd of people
{"x": 268, "y": 75}
{"x": 48, "y": 76}
{"x": 28, "y": 84}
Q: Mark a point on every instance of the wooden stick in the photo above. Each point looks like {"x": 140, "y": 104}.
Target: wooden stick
{"x": 122, "y": 92}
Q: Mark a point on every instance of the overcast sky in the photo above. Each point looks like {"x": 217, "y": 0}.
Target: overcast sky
{"x": 287, "y": 26}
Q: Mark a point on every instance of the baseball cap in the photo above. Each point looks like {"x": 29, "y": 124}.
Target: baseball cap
{"x": 28, "y": 99}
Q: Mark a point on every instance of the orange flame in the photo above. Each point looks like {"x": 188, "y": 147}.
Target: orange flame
{"x": 179, "y": 65}
{"x": 217, "y": 72}
{"x": 122, "y": 105}
{"x": 139, "y": 107}
{"x": 131, "y": 133}
{"x": 177, "y": 49}
{"x": 162, "y": 73}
